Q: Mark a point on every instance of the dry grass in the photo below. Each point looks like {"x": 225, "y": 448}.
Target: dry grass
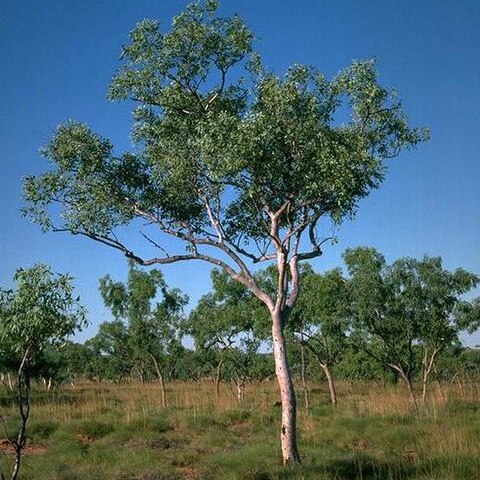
{"x": 121, "y": 432}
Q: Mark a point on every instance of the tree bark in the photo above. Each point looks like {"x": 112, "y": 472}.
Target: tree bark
{"x": 427, "y": 369}
{"x": 218, "y": 378}
{"x": 288, "y": 431}
{"x": 23, "y": 404}
{"x": 304, "y": 381}
{"x": 331, "y": 383}
{"x": 408, "y": 383}
{"x": 240, "y": 389}
{"x": 160, "y": 380}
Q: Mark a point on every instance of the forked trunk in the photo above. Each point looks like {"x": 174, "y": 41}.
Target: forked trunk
{"x": 427, "y": 365}
{"x": 331, "y": 383}
{"x": 288, "y": 431}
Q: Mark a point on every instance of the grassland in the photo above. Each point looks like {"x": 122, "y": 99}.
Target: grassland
{"x": 120, "y": 432}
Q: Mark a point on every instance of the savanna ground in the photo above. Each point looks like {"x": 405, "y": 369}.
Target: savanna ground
{"x": 120, "y": 432}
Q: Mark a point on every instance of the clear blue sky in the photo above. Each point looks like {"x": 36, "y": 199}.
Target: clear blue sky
{"x": 58, "y": 57}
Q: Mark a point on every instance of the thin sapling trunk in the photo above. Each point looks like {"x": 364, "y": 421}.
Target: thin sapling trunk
{"x": 331, "y": 383}
{"x": 160, "y": 380}
{"x": 427, "y": 366}
{"x": 304, "y": 381}
{"x": 218, "y": 379}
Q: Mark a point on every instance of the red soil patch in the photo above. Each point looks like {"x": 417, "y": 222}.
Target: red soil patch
{"x": 28, "y": 449}
{"x": 188, "y": 473}
{"x": 84, "y": 438}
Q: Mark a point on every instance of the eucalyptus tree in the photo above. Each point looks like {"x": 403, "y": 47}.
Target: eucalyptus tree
{"x": 223, "y": 321}
{"x": 111, "y": 356}
{"x": 400, "y": 308}
{"x": 153, "y": 313}
{"x": 320, "y": 319}
{"x": 383, "y": 328}
{"x": 41, "y": 311}
{"x": 235, "y": 162}
{"x": 444, "y": 313}
{"x": 77, "y": 360}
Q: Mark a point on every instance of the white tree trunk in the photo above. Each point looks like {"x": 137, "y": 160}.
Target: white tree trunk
{"x": 239, "y": 383}
{"x": 218, "y": 379}
{"x": 304, "y": 381}
{"x": 288, "y": 432}
{"x": 427, "y": 365}
{"x": 163, "y": 390}
{"x": 331, "y": 384}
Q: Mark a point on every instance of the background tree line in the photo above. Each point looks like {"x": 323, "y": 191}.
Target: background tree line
{"x": 375, "y": 321}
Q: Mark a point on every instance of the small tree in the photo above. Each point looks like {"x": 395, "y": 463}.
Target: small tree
{"x": 41, "y": 311}
{"x": 233, "y": 161}
{"x": 441, "y": 309}
{"x": 404, "y": 307}
{"x": 151, "y": 327}
{"x": 385, "y": 330}
{"x": 77, "y": 358}
{"x": 320, "y": 320}
{"x": 111, "y": 355}
{"x": 219, "y": 321}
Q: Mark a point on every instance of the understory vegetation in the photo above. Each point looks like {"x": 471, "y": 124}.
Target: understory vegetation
{"x": 122, "y": 432}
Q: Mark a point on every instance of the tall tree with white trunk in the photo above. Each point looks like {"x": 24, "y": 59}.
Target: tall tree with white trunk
{"x": 236, "y": 163}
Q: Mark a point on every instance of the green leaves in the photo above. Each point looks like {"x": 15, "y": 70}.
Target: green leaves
{"x": 83, "y": 183}
{"x": 321, "y": 314}
{"x": 75, "y": 147}
{"x": 153, "y": 312}
{"x": 226, "y": 151}
{"x": 376, "y": 112}
{"x": 411, "y": 302}
{"x": 42, "y": 310}
{"x": 197, "y": 44}
{"x": 223, "y": 315}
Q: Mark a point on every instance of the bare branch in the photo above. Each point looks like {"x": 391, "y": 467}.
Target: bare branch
{"x": 154, "y": 243}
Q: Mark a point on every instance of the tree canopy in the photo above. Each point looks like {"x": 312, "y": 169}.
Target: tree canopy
{"x": 397, "y": 309}
{"x": 41, "y": 310}
{"x": 228, "y": 155}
